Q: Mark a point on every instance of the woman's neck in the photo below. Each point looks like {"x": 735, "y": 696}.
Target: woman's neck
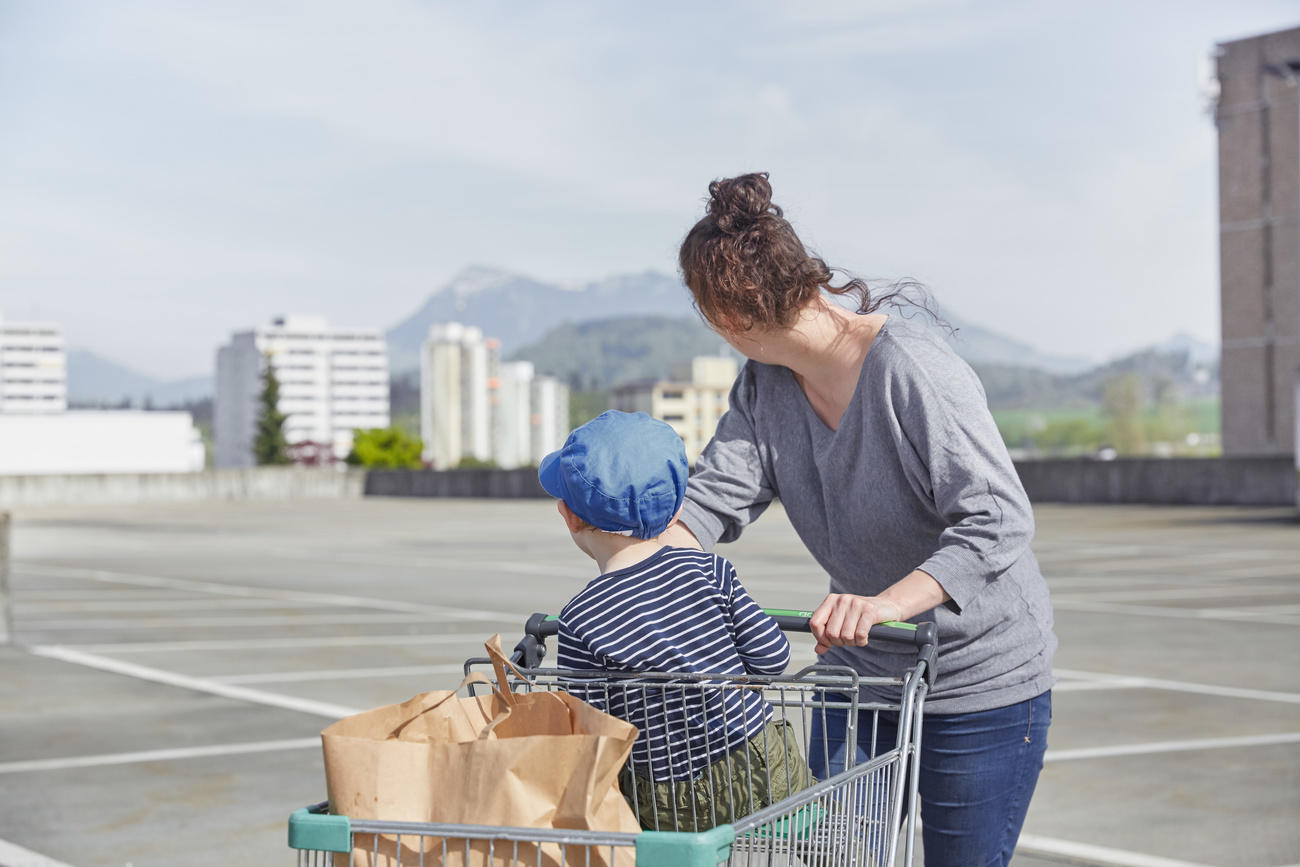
{"x": 826, "y": 345}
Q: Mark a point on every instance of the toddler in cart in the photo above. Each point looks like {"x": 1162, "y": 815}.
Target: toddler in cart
{"x": 710, "y": 750}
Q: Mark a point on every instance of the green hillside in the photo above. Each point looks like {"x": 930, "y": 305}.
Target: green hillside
{"x": 597, "y": 355}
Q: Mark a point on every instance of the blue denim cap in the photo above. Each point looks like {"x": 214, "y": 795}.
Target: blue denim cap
{"x": 620, "y": 472}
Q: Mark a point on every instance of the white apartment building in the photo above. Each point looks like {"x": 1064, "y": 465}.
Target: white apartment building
{"x": 512, "y": 429}
{"x": 33, "y": 368}
{"x": 549, "y": 416}
{"x": 691, "y": 401}
{"x": 332, "y": 382}
{"x": 474, "y": 406}
{"x": 100, "y": 442}
{"x": 456, "y": 364}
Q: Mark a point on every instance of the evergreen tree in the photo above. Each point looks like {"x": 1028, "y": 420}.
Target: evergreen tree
{"x": 269, "y": 444}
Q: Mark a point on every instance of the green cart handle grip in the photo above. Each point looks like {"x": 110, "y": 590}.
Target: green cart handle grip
{"x": 918, "y": 634}
{"x": 541, "y": 626}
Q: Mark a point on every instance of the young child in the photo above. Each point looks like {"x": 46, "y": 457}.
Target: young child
{"x": 707, "y": 754}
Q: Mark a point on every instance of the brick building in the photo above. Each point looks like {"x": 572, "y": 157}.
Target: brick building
{"x": 1258, "y": 117}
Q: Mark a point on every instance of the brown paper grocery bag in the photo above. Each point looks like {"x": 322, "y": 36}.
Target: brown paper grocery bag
{"x": 529, "y": 760}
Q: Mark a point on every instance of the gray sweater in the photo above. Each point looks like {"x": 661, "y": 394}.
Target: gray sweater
{"x": 916, "y": 477}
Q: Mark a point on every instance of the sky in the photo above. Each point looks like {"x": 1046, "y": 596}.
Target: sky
{"x": 171, "y": 172}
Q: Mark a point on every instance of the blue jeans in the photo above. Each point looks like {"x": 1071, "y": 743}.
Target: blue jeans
{"x": 978, "y": 772}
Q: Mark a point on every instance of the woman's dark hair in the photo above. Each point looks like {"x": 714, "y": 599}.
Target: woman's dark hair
{"x": 746, "y": 266}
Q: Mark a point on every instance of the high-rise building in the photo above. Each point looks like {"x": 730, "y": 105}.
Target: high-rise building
{"x": 472, "y": 405}
{"x": 691, "y": 401}
{"x": 33, "y": 368}
{"x": 548, "y": 417}
{"x": 455, "y": 409}
{"x": 1258, "y": 117}
{"x": 332, "y": 382}
{"x": 512, "y": 434}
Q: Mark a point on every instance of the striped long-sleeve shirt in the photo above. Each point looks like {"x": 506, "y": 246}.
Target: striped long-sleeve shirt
{"x": 677, "y": 611}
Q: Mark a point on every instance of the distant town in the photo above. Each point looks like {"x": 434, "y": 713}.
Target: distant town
{"x": 445, "y": 389}
{"x": 300, "y": 391}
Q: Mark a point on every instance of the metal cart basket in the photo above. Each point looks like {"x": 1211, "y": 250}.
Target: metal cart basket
{"x": 854, "y": 817}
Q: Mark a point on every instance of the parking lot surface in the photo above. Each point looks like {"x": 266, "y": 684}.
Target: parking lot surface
{"x": 174, "y": 665}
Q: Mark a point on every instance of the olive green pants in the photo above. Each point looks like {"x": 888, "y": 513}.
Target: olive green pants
{"x": 770, "y": 766}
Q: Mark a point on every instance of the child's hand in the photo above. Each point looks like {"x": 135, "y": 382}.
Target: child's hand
{"x": 844, "y": 620}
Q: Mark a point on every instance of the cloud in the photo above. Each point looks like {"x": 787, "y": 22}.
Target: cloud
{"x": 351, "y": 157}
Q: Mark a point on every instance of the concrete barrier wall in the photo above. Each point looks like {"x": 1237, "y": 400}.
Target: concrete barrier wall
{"x": 509, "y": 484}
{"x": 261, "y": 483}
{"x": 1201, "y": 481}
{"x": 1267, "y": 481}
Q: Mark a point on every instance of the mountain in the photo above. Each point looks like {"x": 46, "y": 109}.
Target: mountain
{"x": 516, "y": 309}
{"x": 94, "y": 380}
{"x": 606, "y": 352}
{"x": 603, "y": 353}
{"x": 1168, "y": 374}
{"x": 632, "y": 325}
{"x": 979, "y": 345}
{"x": 1198, "y": 351}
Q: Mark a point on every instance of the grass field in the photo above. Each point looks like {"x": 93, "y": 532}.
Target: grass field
{"x": 1083, "y": 430}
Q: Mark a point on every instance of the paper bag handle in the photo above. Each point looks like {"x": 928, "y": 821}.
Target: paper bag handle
{"x": 472, "y": 677}
{"x": 499, "y": 662}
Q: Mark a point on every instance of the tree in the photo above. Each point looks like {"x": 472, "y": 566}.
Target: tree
{"x": 269, "y": 444}
{"x": 1122, "y": 402}
{"x": 385, "y": 447}
{"x": 469, "y": 462}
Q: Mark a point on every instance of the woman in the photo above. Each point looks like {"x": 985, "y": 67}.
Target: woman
{"x": 878, "y": 441}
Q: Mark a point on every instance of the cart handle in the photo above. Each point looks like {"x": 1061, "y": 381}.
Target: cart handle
{"x": 539, "y": 626}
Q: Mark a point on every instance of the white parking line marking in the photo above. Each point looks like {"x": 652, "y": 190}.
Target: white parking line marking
{"x": 201, "y": 603}
{"x": 1087, "y": 685}
{"x": 1171, "y": 747}
{"x": 236, "y": 644}
{"x": 431, "y": 561}
{"x": 155, "y": 756}
{"x": 250, "y": 621}
{"x": 1184, "y": 592}
{"x": 13, "y": 855}
{"x": 46, "y": 594}
{"x": 222, "y": 589}
{"x": 1033, "y": 843}
{"x": 1121, "y": 680}
{"x": 339, "y": 674}
{"x": 156, "y": 675}
{"x": 1177, "y": 613}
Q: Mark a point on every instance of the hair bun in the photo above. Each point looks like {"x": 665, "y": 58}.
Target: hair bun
{"x": 736, "y": 203}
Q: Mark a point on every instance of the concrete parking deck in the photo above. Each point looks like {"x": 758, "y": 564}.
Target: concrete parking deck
{"x": 174, "y": 666}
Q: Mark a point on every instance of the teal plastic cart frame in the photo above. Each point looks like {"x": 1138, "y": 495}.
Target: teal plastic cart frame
{"x": 781, "y": 827}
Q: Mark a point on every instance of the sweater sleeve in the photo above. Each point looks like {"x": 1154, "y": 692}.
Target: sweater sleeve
{"x": 730, "y": 487}
{"x": 573, "y": 655}
{"x": 762, "y": 646}
{"x": 960, "y": 463}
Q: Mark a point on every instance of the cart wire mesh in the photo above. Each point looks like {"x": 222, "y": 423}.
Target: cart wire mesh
{"x": 744, "y": 812}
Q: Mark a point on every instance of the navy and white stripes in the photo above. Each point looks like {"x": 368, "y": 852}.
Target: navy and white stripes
{"x": 678, "y": 611}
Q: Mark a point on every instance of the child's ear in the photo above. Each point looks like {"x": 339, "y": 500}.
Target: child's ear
{"x": 572, "y": 521}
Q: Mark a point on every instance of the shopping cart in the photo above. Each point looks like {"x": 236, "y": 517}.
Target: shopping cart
{"x": 854, "y": 817}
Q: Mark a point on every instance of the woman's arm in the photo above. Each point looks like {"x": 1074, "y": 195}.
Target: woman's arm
{"x": 844, "y": 619}
{"x": 729, "y": 488}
